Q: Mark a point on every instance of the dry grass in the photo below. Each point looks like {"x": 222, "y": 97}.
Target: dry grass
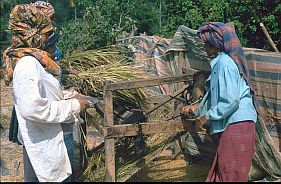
{"x": 97, "y": 66}
{"x": 165, "y": 169}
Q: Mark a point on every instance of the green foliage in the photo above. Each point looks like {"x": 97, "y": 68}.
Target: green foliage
{"x": 5, "y": 34}
{"x": 248, "y": 14}
{"x": 192, "y": 13}
{"x": 86, "y": 33}
{"x": 102, "y": 21}
{"x": 63, "y": 10}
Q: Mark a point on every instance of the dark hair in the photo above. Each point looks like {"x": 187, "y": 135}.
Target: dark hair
{"x": 51, "y": 40}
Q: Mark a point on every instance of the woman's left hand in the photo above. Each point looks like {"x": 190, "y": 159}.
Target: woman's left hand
{"x": 199, "y": 122}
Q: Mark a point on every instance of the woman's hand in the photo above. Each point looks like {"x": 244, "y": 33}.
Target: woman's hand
{"x": 84, "y": 104}
{"x": 199, "y": 122}
{"x": 73, "y": 72}
{"x": 189, "y": 109}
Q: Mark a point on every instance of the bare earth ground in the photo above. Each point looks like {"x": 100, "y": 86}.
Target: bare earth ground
{"x": 162, "y": 169}
{"x": 11, "y": 165}
{"x": 166, "y": 169}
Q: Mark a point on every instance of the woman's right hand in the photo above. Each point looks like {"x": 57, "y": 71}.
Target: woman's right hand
{"x": 84, "y": 104}
{"x": 189, "y": 109}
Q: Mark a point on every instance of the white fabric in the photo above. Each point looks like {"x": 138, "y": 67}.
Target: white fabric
{"x": 40, "y": 110}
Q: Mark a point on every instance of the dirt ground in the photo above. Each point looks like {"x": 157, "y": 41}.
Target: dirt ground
{"x": 11, "y": 165}
{"x": 163, "y": 168}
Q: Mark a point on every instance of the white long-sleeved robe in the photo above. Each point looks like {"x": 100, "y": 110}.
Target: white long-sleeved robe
{"x": 40, "y": 110}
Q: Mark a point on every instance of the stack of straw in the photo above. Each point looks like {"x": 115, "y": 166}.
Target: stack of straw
{"x": 97, "y": 66}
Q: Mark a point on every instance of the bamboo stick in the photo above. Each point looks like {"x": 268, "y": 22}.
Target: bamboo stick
{"x": 268, "y": 37}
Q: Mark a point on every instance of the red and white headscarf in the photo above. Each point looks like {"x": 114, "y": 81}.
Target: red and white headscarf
{"x": 45, "y": 7}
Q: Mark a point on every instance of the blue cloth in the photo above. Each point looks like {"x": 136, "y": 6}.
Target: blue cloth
{"x": 57, "y": 54}
{"x": 69, "y": 143}
{"x": 228, "y": 99}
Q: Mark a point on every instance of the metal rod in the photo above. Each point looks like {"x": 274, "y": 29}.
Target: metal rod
{"x": 170, "y": 98}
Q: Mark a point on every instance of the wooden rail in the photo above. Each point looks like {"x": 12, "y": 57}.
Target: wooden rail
{"x": 147, "y": 82}
{"x": 147, "y": 128}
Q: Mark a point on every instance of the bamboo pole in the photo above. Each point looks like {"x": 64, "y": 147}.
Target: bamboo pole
{"x": 268, "y": 37}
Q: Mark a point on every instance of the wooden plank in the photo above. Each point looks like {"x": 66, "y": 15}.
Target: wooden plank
{"x": 147, "y": 128}
{"x": 109, "y": 143}
{"x": 181, "y": 64}
{"x": 269, "y": 38}
{"x": 175, "y": 68}
{"x": 147, "y": 82}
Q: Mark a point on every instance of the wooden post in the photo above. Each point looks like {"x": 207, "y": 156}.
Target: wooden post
{"x": 199, "y": 80}
{"x": 268, "y": 38}
{"x": 181, "y": 65}
{"x": 109, "y": 143}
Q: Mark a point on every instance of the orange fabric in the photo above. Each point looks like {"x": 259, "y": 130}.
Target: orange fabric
{"x": 11, "y": 58}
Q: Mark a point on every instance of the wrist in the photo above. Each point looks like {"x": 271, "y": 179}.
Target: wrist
{"x": 75, "y": 105}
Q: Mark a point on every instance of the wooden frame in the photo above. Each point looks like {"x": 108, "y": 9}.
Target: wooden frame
{"x": 111, "y": 131}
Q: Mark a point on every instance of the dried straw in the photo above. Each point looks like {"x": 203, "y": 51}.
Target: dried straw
{"x": 97, "y": 66}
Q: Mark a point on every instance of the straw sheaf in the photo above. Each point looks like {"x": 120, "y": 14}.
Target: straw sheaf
{"x": 97, "y": 66}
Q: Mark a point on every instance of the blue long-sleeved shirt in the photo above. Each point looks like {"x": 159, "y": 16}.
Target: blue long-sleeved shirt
{"x": 228, "y": 99}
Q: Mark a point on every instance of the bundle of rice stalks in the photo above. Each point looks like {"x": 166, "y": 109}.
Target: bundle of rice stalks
{"x": 97, "y": 66}
{"x": 92, "y": 58}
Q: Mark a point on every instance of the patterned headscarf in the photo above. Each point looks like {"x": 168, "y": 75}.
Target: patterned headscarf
{"x": 28, "y": 24}
{"x": 45, "y": 7}
{"x": 224, "y": 38}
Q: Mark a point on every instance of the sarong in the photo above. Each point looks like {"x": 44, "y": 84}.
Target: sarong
{"x": 236, "y": 147}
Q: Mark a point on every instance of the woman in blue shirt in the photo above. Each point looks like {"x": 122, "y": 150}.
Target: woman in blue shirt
{"x": 227, "y": 106}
